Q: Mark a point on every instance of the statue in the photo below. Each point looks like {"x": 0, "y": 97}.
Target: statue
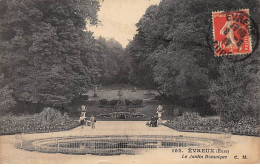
{"x": 159, "y": 114}
{"x": 95, "y": 92}
{"x": 83, "y": 108}
{"x": 82, "y": 118}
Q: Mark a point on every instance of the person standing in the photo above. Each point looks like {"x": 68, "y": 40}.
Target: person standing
{"x": 92, "y": 121}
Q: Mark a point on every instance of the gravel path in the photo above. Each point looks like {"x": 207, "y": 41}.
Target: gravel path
{"x": 238, "y": 146}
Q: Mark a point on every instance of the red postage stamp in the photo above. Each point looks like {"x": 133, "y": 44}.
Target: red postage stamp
{"x": 231, "y": 32}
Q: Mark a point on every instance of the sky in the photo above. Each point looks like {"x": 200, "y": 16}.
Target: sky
{"x": 118, "y": 18}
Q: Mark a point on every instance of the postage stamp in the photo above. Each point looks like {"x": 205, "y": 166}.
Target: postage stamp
{"x": 231, "y": 31}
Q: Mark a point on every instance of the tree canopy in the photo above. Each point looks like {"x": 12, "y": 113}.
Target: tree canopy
{"x": 47, "y": 56}
{"x": 171, "y": 53}
{"x": 45, "y": 50}
{"x": 108, "y": 56}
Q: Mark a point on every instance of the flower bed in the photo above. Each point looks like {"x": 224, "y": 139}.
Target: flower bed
{"x": 46, "y": 121}
{"x": 117, "y": 102}
{"x": 194, "y": 122}
{"x": 122, "y": 115}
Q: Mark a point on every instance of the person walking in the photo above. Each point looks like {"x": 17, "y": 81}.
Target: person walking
{"x": 92, "y": 121}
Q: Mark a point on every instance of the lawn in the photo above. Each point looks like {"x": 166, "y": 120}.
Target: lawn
{"x": 127, "y": 94}
{"x": 178, "y": 118}
{"x": 149, "y": 108}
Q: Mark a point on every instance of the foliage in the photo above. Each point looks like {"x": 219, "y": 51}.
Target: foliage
{"x": 7, "y": 102}
{"x": 235, "y": 93}
{"x": 49, "y": 115}
{"x": 103, "y": 102}
{"x": 170, "y": 49}
{"x": 118, "y": 102}
{"x": 44, "y": 50}
{"x": 194, "y": 122}
{"x": 111, "y": 65}
{"x": 170, "y": 52}
{"x": 48, "y": 120}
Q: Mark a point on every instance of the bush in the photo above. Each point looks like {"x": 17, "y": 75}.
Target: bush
{"x": 48, "y": 120}
{"x": 50, "y": 116}
{"x": 7, "y": 102}
{"x": 128, "y": 102}
{"x": 177, "y": 112}
{"x": 121, "y": 102}
{"x": 103, "y": 101}
{"x": 113, "y": 102}
{"x": 83, "y": 98}
{"x": 158, "y": 97}
{"x": 192, "y": 121}
{"x": 138, "y": 102}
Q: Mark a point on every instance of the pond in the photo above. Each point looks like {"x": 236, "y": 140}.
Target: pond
{"x": 112, "y": 145}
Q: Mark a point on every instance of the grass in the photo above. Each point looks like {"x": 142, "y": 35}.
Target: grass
{"x": 127, "y": 94}
{"x": 149, "y": 108}
{"x": 178, "y": 118}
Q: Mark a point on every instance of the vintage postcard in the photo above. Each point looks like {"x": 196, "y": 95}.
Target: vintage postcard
{"x": 129, "y": 82}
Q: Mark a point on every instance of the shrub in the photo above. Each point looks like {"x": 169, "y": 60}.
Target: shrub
{"x": 138, "y": 102}
{"x": 177, "y": 112}
{"x": 7, "y": 102}
{"x": 192, "y": 121}
{"x": 103, "y": 102}
{"x": 121, "y": 102}
{"x": 48, "y": 120}
{"x": 83, "y": 98}
{"x": 158, "y": 97}
{"x": 128, "y": 102}
{"x": 113, "y": 102}
{"x": 50, "y": 116}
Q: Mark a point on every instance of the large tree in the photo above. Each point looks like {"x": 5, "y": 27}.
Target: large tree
{"x": 170, "y": 50}
{"x": 44, "y": 48}
{"x": 235, "y": 94}
{"x": 108, "y": 56}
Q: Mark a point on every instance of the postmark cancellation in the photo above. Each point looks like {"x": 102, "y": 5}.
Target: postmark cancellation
{"x": 231, "y": 32}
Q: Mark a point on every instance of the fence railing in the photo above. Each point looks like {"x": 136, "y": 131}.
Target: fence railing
{"x": 114, "y": 145}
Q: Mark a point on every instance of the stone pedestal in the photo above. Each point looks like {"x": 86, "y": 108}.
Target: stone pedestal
{"x": 160, "y": 121}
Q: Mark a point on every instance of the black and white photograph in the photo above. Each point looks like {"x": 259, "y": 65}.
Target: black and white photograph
{"x": 129, "y": 82}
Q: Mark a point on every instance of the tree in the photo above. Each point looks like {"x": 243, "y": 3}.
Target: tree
{"x": 139, "y": 49}
{"x": 109, "y": 58}
{"x": 7, "y": 102}
{"x": 41, "y": 49}
{"x": 166, "y": 48}
{"x": 170, "y": 50}
{"x": 177, "y": 73}
{"x": 235, "y": 93}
